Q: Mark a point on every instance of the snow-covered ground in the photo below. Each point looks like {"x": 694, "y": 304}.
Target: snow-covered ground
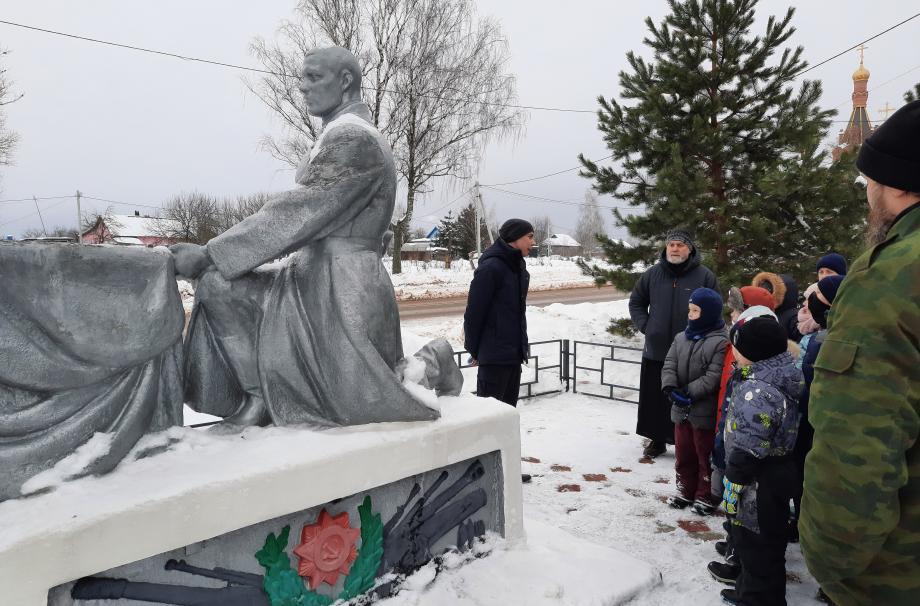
{"x": 433, "y": 280}
{"x": 590, "y": 479}
{"x": 594, "y": 507}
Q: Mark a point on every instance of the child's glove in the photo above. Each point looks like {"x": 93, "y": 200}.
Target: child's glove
{"x": 730, "y": 496}
{"x": 679, "y": 398}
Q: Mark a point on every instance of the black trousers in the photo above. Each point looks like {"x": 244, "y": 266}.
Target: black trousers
{"x": 654, "y": 420}
{"x": 802, "y": 447}
{"x": 763, "y": 555}
{"x": 499, "y": 381}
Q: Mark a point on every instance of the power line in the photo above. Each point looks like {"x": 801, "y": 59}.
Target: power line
{"x": 17, "y": 219}
{"x": 568, "y": 170}
{"x": 273, "y": 73}
{"x": 440, "y": 208}
{"x": 555, "y": 201}
{"x": 468, "y": 99}
{"x": 858, "y": 44}
{"x": 120, "y": 203}
{"x": 31, "y": 199}
{"x": 139, "y": 48}
{"x": 875, "y": 88}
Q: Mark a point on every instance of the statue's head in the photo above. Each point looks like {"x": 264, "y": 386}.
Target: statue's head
{"x": 330, "y": 77}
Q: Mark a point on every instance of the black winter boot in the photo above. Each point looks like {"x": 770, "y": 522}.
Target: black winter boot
{"x": 724, "y": 573}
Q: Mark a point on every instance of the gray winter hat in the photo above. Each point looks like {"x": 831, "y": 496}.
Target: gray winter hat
{"x": 681, "y": 236}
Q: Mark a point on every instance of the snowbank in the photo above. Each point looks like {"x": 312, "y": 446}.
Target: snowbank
{"x": 433, "y": 280}
{"x": 553, "y": 568}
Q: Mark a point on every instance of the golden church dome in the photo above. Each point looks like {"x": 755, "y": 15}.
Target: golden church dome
{"x": 861, "y": 73}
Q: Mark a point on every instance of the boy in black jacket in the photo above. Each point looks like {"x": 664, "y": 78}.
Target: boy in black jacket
{"x": 494, "y": 324}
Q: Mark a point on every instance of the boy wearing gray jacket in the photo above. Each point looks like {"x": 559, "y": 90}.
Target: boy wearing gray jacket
{"x": 690, "y": 380}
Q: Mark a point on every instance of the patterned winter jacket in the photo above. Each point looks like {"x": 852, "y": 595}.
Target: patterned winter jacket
{"x": 762, "y": 421}
{"x": 860, "y": 522}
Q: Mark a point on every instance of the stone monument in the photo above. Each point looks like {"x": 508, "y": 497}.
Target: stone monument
{"x": 295, "y": 323}
{"x": 316, "y": 338}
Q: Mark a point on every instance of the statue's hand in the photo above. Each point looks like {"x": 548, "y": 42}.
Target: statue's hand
{"x": 190, "y": 259}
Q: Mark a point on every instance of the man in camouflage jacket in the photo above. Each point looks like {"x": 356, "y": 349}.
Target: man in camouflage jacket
{"x": 860, "y": 521}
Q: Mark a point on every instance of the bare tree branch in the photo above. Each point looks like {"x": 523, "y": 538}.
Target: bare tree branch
{"x": 435, "y": 79}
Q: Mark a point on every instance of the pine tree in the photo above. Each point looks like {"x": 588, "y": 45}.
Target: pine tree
{"x": 459, "y": 235}
{"x": 712, "y": 136}
{"x": 913, "y": 94}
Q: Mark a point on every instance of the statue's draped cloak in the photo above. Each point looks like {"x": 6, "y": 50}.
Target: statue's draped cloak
{"x": 317, "y": 334}
{"x": 90, "y": 341}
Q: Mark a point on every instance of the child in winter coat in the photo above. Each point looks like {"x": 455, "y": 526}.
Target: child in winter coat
{"x": 819, "y": 304}
{"x": 690, "y": 380}
{"x": 806, "y": 325}
{"x": 726, "y": 548}
{"x": 760, "y": 434}
{"x": 831, "y": 264}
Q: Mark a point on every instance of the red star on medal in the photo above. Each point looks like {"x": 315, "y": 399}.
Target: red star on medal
{"x": 327, "y": 549}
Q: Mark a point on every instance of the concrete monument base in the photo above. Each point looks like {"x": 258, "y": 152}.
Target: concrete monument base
{"x": 307, "y": 511}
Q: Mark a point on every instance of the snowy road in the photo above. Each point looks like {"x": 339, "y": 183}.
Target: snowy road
{"x": 454, "y": 306}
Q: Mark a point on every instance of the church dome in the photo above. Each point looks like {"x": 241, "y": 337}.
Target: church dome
{"x": 861, "y": 73}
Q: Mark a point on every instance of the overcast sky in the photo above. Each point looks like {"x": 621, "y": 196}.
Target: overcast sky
{"x": 138, "y": 128}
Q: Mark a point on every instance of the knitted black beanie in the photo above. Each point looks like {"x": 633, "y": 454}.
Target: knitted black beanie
{"x": 834, "y": 261}
{"x": 759, "y": 338}
{"x": 891, "y": 155}
{"x": 512, "y": 229}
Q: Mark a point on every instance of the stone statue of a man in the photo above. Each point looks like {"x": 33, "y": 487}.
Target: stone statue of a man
{"x": 314, "y": 338}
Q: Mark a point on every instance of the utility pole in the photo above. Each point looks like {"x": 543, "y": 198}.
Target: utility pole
{"x": 478, "y": 219}
{"x": 482, "y": 209}
{"x": 79, "y": 228}
{"x": 40, "y": 218}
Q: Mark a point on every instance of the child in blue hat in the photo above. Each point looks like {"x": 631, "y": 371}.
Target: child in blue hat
{"x": 690, "y": 379}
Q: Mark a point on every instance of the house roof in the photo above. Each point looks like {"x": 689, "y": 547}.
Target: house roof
{"x": 132, "y": 226}
{"x": 561, "y": 240}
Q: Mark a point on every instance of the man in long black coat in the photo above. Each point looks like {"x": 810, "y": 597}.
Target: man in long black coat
{"x": 658, "y": 308}
{"x": 495, "y": 324}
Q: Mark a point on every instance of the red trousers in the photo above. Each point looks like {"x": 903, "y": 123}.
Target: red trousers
{"x": 692, "y": 448}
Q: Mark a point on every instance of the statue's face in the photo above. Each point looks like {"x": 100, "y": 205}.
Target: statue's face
{"x": 321, "y": 85}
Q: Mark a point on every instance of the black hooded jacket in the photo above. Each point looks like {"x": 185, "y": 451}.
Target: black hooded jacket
{"x": 495, "y": 324}
{"x": 658, "y": 303}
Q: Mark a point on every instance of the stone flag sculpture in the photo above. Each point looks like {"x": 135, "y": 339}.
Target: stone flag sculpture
{"x": 90, "y": 341}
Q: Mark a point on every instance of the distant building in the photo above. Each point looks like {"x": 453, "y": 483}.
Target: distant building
{"x": 423, "y": 249}
{"x": 128, "y": 230}
{"x": 561, "y": 244}
{"x": 858, "y": 127}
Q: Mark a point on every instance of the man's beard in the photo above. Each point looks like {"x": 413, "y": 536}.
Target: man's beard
{"x": 878, "y": 224}
{"x": 676, "y": 259}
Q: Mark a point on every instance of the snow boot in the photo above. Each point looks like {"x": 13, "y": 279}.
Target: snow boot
{"x": 703, "y": 508}
{"x": 678, "y": 502}
{"x": 724, "y": 573}
{"x": 793, "y": 531}
{"x": 655, "y": 449}
{"x": 722, "y": 548}
{"x": 730, "y": 596}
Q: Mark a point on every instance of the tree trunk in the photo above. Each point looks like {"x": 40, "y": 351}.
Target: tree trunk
{"x": 397, "y": 248}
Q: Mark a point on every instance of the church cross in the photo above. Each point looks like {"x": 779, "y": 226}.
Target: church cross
{"x": 886, "y": 110}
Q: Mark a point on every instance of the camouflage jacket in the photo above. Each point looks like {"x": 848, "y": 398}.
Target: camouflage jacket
{"x": 860, "y": 521}
{"x": 762, "y": 421}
